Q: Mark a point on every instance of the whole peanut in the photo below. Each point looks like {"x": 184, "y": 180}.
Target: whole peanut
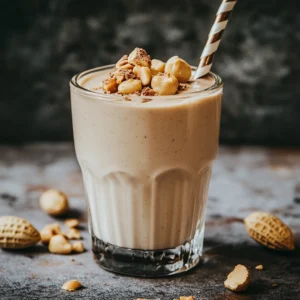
{"x": 179, "y": 68}
{"x": 143, "y": 73}
{"x": 164, "y": 84}
{"x": 130, "y": 86}
{"x": 54, "y": 202}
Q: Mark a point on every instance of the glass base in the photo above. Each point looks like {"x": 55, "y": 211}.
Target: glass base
{"x": 146, "y": 263}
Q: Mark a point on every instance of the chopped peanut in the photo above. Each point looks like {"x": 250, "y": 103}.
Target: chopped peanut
{"x": 59, "y": 245}
{"x": 110, "y": 85}
{"x": 72, "y": 223}
{"x": 73, "y": 234}
{"x": 123, "y": 63}
{"x": 78, "y": 247}
{"x": 238, "y": 280}
{"x": 139, "y": 57}
{"x": 48, "y": 231}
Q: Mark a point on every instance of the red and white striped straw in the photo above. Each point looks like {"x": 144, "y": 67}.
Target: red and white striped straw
{"x": 214, "y": 38}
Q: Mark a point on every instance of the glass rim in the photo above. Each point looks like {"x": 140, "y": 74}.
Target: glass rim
{"x": 74, "y": 83}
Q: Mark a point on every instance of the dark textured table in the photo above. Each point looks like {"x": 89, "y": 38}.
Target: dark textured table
{"x": 244, "y": 180}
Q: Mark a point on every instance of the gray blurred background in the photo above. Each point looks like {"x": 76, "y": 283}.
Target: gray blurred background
{"x": 45, "y": 42}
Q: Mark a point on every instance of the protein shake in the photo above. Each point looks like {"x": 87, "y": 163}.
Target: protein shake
{"x": 146, "y": 158}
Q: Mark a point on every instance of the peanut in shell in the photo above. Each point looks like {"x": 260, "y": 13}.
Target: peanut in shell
{"x": 269, "y": 231}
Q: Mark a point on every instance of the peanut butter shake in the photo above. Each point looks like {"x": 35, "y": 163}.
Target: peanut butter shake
{"x": 145, "y": 138}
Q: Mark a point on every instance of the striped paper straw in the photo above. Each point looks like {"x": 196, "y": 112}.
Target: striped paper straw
{"x": 214, "y": 38}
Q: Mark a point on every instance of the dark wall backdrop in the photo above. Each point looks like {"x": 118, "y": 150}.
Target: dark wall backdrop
{"x": 44, "y": 43}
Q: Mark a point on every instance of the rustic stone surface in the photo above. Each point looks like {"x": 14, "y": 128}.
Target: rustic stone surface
{"x": 44, "y": 43}
{"x": 244, "y": 180}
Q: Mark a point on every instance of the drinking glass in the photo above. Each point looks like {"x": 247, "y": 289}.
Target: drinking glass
{"x": 146, "y": 166}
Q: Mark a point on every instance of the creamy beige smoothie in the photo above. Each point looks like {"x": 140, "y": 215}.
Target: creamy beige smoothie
{"x": 146, "y": 161}
{"x": 145, "y": 138}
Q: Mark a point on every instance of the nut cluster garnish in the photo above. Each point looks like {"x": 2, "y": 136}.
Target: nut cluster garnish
{"x": 138, "y": 74}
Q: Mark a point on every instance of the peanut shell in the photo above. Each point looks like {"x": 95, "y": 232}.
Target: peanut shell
{"x": 17, "y": 233}
{"x": 269, "y": 231}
